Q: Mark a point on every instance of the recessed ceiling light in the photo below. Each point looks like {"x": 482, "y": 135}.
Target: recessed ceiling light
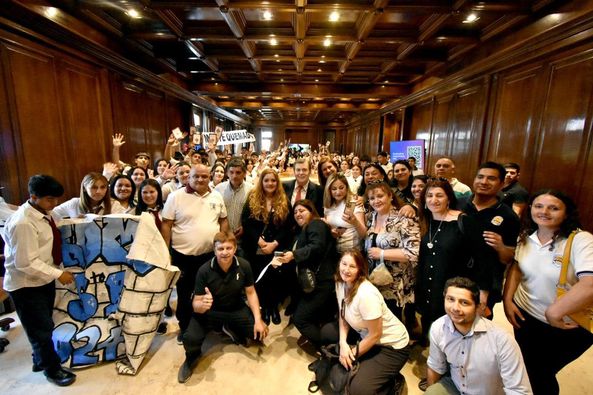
{"x": 281, "y": 79}
{"x": 319, "y": 70}
{"x": 276, "y": 55}
{"x": 334, "y": 16}
{"x": 277, "y": 60}
{"x": 471, "y": 18}
{"x": 267, "y": 15}
{"x": 316, "y": 80}
{"x": 193, "y": 58}
{"x": 327, "y": 42}
{"x": 212, "y": 78}
{"x": 387, "y": 81}
{"x": 193, "y": 71}
{"x": 273, "y": 40}
{"x": 322, "y": 61}
{"x": 279, "y": 69}
{"x": 132, "y": 13}
{"x": 51, "y": 12}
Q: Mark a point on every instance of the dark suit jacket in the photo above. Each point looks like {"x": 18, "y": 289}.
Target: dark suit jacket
{"x": 314, "y": 194}
{"x": 316, "y": 249}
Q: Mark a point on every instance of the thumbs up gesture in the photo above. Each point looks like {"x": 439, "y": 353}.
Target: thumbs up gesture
{"x": 204, "y": 302}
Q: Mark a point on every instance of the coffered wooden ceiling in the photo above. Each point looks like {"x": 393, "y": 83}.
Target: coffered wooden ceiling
{"x": 304, "y": 60}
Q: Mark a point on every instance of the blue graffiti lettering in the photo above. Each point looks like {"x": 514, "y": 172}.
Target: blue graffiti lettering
{"x": 62, "y": 337}
{"x": 114, "y": 284}
{"x": 86, "y": 306}
{"x": 81, "y": 356}
{"x": 110, "y": 345}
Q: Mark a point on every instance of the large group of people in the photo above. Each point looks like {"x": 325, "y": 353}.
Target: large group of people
{"x": 353, "y": 259}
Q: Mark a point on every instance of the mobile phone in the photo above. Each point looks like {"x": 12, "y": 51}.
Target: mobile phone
{"x": 349, "y": 208}
{"x": 278, "y": 253}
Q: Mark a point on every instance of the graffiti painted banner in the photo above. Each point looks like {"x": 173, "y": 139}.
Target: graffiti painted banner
{"x": 123, "y": 279}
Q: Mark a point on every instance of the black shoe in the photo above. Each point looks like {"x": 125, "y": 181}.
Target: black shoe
{"x": 275, "y": 315}
{"x": 168, "y": 311}
{"x": 36, "y": 368}
{"x": 290, "y": 309}
{"x": 180, "y": 338}
{"x": 61, "y": 377}
{"x": 162, "y": 329}
{"x": 423, "y": 385}
{"x": 400, "y": 383}
{"x": 185, "y": 371}
{"x": 265, "y": 316}
{"x": 234, "y": 337}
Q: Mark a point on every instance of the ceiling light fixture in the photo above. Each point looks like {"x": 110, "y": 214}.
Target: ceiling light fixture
{"x": 276, "y": 55}
{"x": 193, "y": 58}
{"x": 193, "y": 71}
{"x": 319, "y": 70}
{"x": 273, "y": 40}
{"x": 327, "y": 42}
{"x": 132, "y": 13}
{"x": 51, "y": 12}
{"x": 316, "y": 80}
{"x": 281, "y": 79}
{"x": 267, "y": 15}
{"x": 334, "y": 16}
{"x": 471, "y": 18}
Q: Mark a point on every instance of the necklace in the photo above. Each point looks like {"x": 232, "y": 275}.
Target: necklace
{"x": 432, "y": 237}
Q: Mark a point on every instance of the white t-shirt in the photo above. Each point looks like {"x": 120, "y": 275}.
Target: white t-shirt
{"x": 541, "y": 270}
{"x": 368, "y": 304}
{"x": 195, "y": 220}
{"x": 349, "y": 239}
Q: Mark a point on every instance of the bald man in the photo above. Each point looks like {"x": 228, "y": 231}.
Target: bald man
{"x": 445, "y": 167}
{"x": 191, "y": 217}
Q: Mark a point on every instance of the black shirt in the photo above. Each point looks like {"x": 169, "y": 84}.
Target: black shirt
{"x": 514, "y": 193}
{"x": 228, "y": 288}
{"x": 498, "y": 218}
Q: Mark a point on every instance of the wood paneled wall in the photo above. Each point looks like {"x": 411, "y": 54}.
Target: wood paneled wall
{"x": 538, "y": 115}
{"x": 57, "y": 115}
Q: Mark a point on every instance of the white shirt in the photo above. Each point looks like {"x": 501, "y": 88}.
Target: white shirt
{"x": 234, "y": 200}
{"x": 296, "y": 190}
{"x": 117, "y": 208}
{"x": 350, "y": 238}
{"x": 459, "y": 188}
{"x": 368, "y": 304}
{"x": 29, "y": 240}
{"x": 485, "y": 361}
{"x": 541, "y": 270}
{"x": 195, "y": 220}
{"x": 354, "y": 183}
{"x": 71, "y": 209}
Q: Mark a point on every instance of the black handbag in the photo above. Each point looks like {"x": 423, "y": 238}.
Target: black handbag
{"x": 306, "y": 279}
{"x": 330, "y": 375}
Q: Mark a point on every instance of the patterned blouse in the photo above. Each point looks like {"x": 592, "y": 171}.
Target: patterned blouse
{"x": 400, "y": 232}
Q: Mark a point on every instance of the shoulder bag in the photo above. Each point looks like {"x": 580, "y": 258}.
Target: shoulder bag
{"x": 585, "y": 317}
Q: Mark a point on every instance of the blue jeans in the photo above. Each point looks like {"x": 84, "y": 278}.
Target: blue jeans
{"x": 34, "y": 306}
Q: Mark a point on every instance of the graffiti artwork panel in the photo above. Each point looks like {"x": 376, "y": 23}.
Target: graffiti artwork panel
{"x": 123, "y": 280}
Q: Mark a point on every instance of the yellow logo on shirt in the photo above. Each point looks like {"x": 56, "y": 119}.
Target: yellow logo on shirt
{"x": 496, "y": 221}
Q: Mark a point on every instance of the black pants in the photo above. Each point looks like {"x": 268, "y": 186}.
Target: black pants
{"x": 34, "y": 306}
{"x": 379, "y": 367}
{"x": 274, "y": 287}
{"x": 189, "y": 265}
{"x": 315, "y": 309}
{"x": 240, "y": 321}
{"x": 546, "y": 350}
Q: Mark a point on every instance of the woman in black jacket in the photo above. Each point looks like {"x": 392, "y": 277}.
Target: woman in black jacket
{"x": 315, "y": 249}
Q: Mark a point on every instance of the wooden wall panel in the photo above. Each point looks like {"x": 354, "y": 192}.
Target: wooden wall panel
{"x": 442, "y": 123}
{"x": 565, "y": 132}
{"x": 129, "y": 111}
{"x": 156, "y": 123}
{"x": 31, "y": 76}
{"x": 466, "y": 136}
{"x": 86, "y": 114}
{"x": 516, "y": 118}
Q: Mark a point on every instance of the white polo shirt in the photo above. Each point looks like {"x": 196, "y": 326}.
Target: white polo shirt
{"x": 195, "y": 220}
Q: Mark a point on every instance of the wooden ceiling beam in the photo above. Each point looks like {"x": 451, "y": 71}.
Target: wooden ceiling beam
{"x": 431, "y": 26}
{"x": 295, "y": 90}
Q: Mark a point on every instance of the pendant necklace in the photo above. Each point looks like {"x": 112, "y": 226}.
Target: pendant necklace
{"x": 432, "y": 237}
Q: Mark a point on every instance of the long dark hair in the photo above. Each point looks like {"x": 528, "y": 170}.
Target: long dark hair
{"x": 407, "y": 191}
{"x": 363, "y": 186}
{"x": 425, "y": 214}
{"x": 112, "y": 188}
{"x": 322, "y": 178}
{"x": 570, "y": 223}
{"x": 142, "y": 207}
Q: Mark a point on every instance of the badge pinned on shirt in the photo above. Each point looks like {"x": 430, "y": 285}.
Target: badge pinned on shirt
{"x": 497, "y": 221}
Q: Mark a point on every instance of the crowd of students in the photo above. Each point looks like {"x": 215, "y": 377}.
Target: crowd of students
{"x": 353, "y": 258}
